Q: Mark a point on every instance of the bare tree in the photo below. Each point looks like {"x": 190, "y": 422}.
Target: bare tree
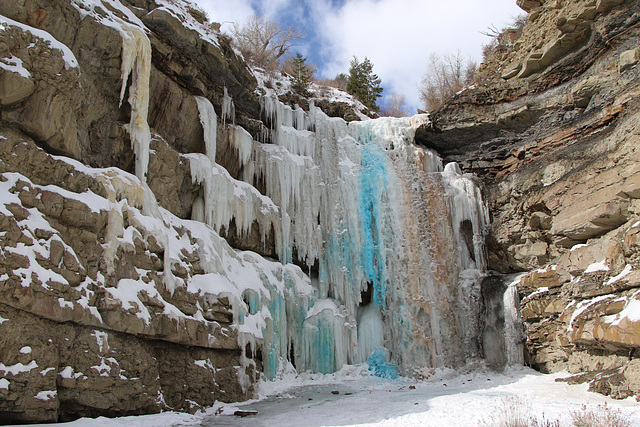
{"x": 503, "y": 39}
{"x": 395, "y": 106}
{"x": 446, "y": 75}
{"x": 263, "y": 42}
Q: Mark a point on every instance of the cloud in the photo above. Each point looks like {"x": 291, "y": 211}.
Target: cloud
{"x": 227, "y": 11}
{"x": 398, "y": 35}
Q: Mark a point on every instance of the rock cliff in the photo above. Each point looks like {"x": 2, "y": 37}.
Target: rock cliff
{"x": 113, "y": 301}
{"x": 121, "y": 121}
{"x": 89, "y": 321}
{"x": 552, "y": 128}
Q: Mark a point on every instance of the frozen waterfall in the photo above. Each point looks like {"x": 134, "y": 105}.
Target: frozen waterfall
{"x": 391, "y": 241}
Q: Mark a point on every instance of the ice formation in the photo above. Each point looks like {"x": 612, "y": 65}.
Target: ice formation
{"x": 514, "y": 335}
{"x": 135, "y": 64}
{"x": 391, "y": 241}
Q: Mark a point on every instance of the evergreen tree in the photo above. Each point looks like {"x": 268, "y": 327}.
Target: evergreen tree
{"x": 363, "y": 83}
{"x": 301, "y": 74}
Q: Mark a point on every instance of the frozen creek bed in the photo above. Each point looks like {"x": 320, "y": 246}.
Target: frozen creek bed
{"x": 352, "y": 397}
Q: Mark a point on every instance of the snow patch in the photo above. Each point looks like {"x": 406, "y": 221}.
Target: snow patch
{"x": 44, "y": 372}
{"x": 627, "y": 269}
{"x": 14, "y": 65}
{"x": 18, "y": 368}
{"x": 69, "y": 58}
{"x": 597, "y": 266}
{"x": 46, "y": 395}
{"x": 578, "y": 246}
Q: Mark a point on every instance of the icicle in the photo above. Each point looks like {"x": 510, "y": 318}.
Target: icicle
{"x": 228, "y": 109}
{"x": 242, "y": 142}
{"x": 209, "y": 122}
{"x": 136, "y": 61}
{"x": 467, "y": 207}
{"x": 370, "y": 331}
{"x": 513, "y": 333}
{"x": 369, "y": 208}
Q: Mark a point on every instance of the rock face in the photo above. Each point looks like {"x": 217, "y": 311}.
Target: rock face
{"x": 89, "y": 324}
{"x": 110, "y": 297}
{"x": 555, "y": 140}
{"x": 112, "y": 301}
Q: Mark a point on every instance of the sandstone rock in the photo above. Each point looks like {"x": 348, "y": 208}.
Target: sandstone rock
{"x": 14, "y": 87}
{"x": 584, "y": 91}
{"x": 582, "y": 222}
{"x": 528, "y": 5}
{"x": 512, "y": 71}
{"x": 170, "y": 179}
{"x": 604, "y": 5}
{"x": 629, "y": 58}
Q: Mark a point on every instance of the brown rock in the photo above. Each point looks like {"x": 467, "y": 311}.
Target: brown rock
{"x": 14, "y": 87}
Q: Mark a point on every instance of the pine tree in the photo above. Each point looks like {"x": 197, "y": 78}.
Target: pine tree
{"x": 301, "y": 74}
{"x": 363, "y": 83}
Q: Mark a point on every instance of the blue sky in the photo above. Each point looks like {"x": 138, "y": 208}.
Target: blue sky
{"x": 396, "y": 35}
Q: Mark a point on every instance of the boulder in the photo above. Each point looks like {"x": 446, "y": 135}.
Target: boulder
{"x": 529, "y": 5}
{"x": 629, "y": 58}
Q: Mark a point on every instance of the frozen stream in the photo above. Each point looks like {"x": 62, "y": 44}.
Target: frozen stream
{"x": 448, "y": 398}
{"x": 478, "y": 398}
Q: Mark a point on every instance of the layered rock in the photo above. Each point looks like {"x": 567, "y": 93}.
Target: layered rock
{"x": 112, "y": 300}
{"x": 95, "y": 315}
{"x": 551, "y": 127}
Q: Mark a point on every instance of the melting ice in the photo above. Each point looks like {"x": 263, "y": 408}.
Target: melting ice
{"x": 391, "y": 241}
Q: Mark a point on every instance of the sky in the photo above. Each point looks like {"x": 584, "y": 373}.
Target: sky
{"x": 396, "y": 35}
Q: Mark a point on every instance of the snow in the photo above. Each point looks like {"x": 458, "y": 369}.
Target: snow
{"x": 597, "y": 266}
{"x": 38, "y": 247}
{"x": 25, "y": 350}
{"x": 178, "y": 9}
{"x": 2, "y": 320}
{"x": 4, "y": 383}
{"x": 627, "y": 269}
{"x": 631, "y": 311}
{"x": 584, "y": 305}
{"x": 44, "y": 372}
{"x": 447, "y": 399}
{"x": 68, "y": 373}
{"x": 69, "y": 58}
{"x": 46, "y": 395}
{"x": 323, "y": 305}
{"x": 18, "y": 368}
{"x": 578, "y": 246}
{"x": 14, "y": 65}
{"x": 102, "y": 339}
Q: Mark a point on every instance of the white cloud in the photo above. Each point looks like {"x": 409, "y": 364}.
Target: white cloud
{"x": 227, "y": 11}
{"x": 396, "y": 35}
{"x": 399, "y": 35}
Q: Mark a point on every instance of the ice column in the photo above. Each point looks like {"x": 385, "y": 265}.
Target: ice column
{"x": 513, "y": 333}
{"x": 209, "y": 121}
{"x": 136, "y": 62}
{"x": 225, "y": 198}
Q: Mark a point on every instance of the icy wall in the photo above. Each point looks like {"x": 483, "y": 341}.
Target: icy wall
{"x": 391, "y": 242}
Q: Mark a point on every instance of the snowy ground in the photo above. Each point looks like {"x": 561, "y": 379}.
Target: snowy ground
{"x": 352, "y": 397}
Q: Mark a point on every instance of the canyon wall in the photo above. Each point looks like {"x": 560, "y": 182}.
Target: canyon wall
{"x": 552, "y": 128}
{"x": 172, "y": 231}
